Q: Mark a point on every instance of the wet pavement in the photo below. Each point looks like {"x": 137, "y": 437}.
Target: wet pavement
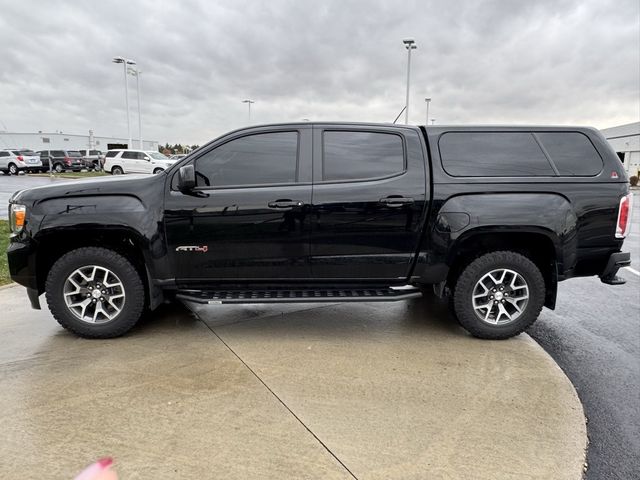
{"x": 367, "y": 391}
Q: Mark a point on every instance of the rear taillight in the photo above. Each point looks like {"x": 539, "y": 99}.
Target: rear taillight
{"x": 624, "y": 216}
{"x": 20, "y": 158}
{"x": 67, "y": 160}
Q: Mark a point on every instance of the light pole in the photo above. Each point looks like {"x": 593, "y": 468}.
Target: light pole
{"x": 249, "y": 102}
{"x": 125, "y": 62}
{"x": 409, "y": 44}
{"x": 136, "y": 73}
{"x": 428, "y": 100}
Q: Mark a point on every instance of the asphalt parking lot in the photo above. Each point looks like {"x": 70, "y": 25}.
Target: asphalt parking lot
{"x": 367, "y": 391}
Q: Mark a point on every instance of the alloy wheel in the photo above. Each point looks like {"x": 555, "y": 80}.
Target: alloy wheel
{"x": 94, "y": 294}
{"x": 500, "y": 296}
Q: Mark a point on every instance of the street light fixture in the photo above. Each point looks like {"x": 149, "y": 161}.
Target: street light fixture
{"x": 433, "y": 120}
{"x": 136, "y": 73}
{"x": 249, "y": 102}
{"x": 428, "y": 100}
{"x": 409, "y": 44}
{"x": 125, "y": 62}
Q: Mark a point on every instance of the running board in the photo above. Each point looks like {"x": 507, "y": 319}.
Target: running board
{"x": 331, "y": 295}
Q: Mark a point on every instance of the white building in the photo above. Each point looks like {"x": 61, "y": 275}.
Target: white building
{"x": 66, "y": 141}
{"x": 625, "y": 140}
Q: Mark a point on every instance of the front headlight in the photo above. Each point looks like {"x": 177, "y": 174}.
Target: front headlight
{"x": 17, "y": 216}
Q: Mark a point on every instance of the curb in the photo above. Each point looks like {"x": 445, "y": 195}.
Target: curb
{"x": 581, "y": 466}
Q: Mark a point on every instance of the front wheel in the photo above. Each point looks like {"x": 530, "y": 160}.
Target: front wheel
{"x": 499, "y": 295}
{"x": 95, "y": 293}
{"x": 58, "y": 168}
{"x": 157, "y": 170}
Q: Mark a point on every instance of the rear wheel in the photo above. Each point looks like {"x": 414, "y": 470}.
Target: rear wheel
{"x": 499, "y": 295}
{"x": 95, "y": 293}
{"x": 58, "y": 168}
{"x": 13, "y": 169}
{"x": 116, "y": 171}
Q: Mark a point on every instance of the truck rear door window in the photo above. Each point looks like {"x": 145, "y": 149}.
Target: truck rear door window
{"x": 260, "y": 159}
{"x": 350, "y": 155}
{"x": 572, "y": 152}
{"x": 493, "y": 154}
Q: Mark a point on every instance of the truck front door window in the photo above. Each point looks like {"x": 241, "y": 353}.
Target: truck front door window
{"x": 261, "y": 159}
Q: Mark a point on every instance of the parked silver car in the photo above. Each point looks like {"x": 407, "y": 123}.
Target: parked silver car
{"x": 14, "y": 161}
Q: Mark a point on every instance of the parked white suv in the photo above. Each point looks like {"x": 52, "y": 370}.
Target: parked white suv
{"x": 16, "y": 161}
{"x": 118, "y": 162}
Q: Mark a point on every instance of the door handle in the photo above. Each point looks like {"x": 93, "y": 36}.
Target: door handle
{"x": 285, "y": 204}
{"x": 392, "y": 201}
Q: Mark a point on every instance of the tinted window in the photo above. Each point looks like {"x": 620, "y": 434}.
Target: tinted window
{"x": 4, "y": 154}
{"x": 57, "y": 153}
{"x": 493, "y": 154}
{"x": 130, "y": 155}
{"x": 74, "y": 153}
{"x": 572, "y": 152}
{"x": 94, "y": 152}
{"x": 111, "y": 153}
{"x": 266, "y": 158}
{"x": 361, "y": 155}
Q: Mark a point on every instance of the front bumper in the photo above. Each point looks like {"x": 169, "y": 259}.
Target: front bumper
{"x": 22, "y": 268}
{"x": 616, "y": 261}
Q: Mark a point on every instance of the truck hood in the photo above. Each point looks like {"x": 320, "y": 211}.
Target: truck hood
{"x": 134, "y": 185}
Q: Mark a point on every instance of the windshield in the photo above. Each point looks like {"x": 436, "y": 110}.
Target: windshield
{"x": 157, "y": 156}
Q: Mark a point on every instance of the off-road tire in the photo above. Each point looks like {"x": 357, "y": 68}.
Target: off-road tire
{"x": 466, "y": 282}
{"x": 129, "y": 276}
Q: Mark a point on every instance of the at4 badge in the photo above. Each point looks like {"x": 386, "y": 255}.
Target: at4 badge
{"x": 192, "y": 248}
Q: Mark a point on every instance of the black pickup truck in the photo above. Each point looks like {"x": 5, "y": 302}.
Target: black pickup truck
{"x": 493, "y": 217}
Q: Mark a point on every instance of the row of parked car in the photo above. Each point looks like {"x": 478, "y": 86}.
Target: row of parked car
{"x": 116, "y": 162}
{"x": 14, "y": 161}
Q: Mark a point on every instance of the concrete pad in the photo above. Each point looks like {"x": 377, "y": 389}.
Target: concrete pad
{"x": 398, "y": 390}
{"x": 168, "y": 401}
{"x": 291, "y": 391}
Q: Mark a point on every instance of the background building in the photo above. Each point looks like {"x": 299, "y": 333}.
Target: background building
{"x": 625, "y": 140}
{"x": 65, "y": 141}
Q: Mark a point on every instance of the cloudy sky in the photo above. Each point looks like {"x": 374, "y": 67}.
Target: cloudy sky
{"x": 501, "y": 61}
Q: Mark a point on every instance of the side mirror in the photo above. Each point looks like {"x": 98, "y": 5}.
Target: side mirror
{"x": 186, "y": 178}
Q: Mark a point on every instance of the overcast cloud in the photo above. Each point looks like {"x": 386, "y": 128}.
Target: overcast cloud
{"x": 558, "y": 62}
